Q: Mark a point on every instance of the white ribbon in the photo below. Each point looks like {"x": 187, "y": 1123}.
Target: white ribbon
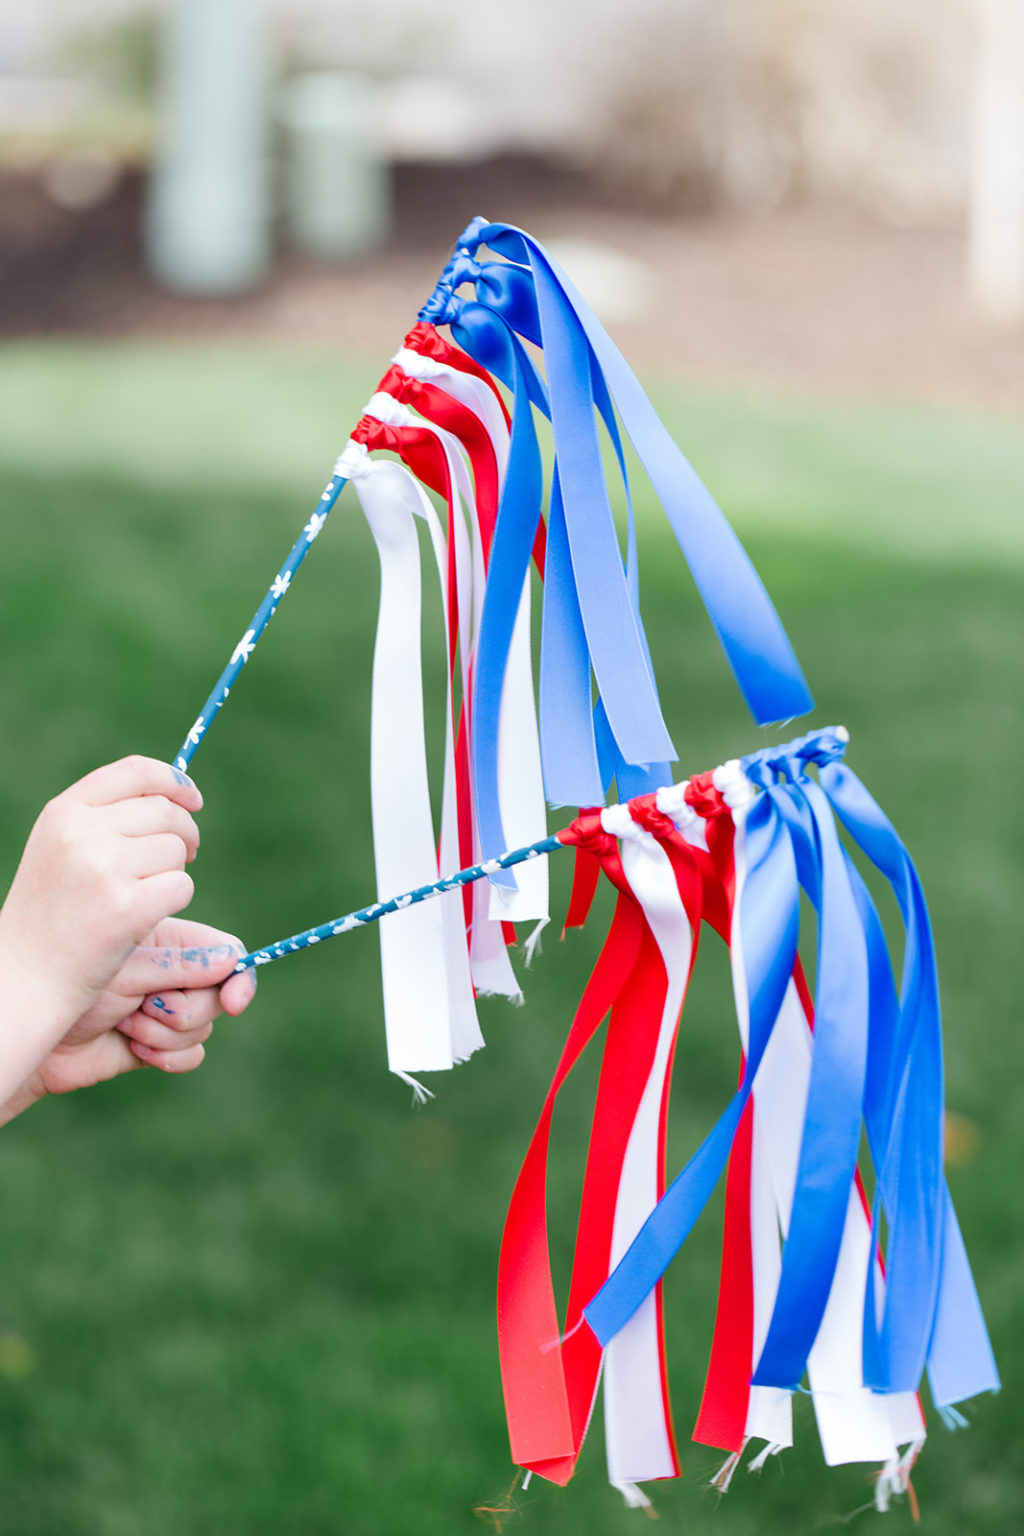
{"x": 430, "y": 1016}
{"x": 520, "y": 779}
{"x": 638, "y": 1433}
{"x": 520, "y": 783}
{"x": 467, "y": 389}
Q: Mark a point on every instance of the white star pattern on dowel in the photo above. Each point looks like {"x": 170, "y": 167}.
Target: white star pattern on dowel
{"x": 281, "y": 584}
{"x": 197, "y": 730}
{"x": 245, "y": 647}
{"x": 314, "y": 525}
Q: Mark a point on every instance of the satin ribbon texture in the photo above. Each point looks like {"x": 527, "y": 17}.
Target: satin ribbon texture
{"x": 862, "y": 1324}
{"x": 592, "y": 625}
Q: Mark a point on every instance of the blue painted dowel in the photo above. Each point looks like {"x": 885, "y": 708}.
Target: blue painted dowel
{"x": 245, "y": 647}
{"x": 397, "y": 903}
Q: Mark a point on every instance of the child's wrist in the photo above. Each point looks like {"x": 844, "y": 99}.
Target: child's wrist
{"x": 37, "y": 1008}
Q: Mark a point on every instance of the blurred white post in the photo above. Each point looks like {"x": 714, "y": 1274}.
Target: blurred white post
{"x": 209, "y": 205}
{"x": 995, "y": 250}
{"x": 338, "y": 192}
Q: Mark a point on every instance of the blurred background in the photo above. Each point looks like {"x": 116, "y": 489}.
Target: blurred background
{"x": 261, "y": 1300}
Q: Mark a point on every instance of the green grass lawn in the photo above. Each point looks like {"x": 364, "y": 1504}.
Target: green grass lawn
{"x": 260, "y": 1300}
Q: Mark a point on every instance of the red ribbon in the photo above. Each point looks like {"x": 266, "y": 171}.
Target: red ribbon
{"x": 424, "y": 455}
{"x": 452, "y": 416}
{"x": 427, "y": 340}
{"x": 423, "y": 338}
{"x": 550, "y": 1387}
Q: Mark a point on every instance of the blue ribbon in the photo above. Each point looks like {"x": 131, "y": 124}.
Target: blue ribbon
{"x": 632, "y": 778}
{"x": 832, "y": 1120}
{"x": 931, "y": 1313}
{"x": 569, "y": 757}
{"x": 505, "y": 303}
{"x": 747, "y": 625}
{"x": 874, "y": 1056}
{"x": 486, "y": 336}
{"x": 770, "y": 946}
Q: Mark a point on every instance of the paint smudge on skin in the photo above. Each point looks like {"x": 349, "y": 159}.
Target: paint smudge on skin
{"x": 159, "y": 1003}
{"x": 206, "y": 956}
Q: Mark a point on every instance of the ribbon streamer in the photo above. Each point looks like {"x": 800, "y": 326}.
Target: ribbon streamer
{"x": 808, "y": 1285}
{"x": 429, "y": 1012}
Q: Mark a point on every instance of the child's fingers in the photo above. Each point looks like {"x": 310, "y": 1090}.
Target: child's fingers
{"x": 186, "y": 933}
{"x": 183, "y": 1010}
{"x": 160, "y": 970}
{"x": 157, "y": 897}
{"x": 152, "y": 814}
{"x": 238, "y": 992}
{"x": 175, "y": 1062}
{"x": 164, "y": 1037}
{"x": 175, "y": 1008}
{"x": 136, "y": 775}
{"x": 142, "y": 856}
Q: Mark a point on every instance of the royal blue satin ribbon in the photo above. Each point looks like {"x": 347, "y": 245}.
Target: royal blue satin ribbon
{"x": 569, "y": 753}
{"x": 632, "y": 779}
{"x": 873, "y": 1054}
{"x": 505, "y": 298}
{"x": 777, "y": 864}
{"x": 532, "y": 306}
{"x": 747, "y": 625}
{"x": 959, "y": 1355}
{"x": 932, "y": 1313}
{"x": 486, "y": 336}
{"x": 772, "y": 890}
{"x": 832, "y": 1119}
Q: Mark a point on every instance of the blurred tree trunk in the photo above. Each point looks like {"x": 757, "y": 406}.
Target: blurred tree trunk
{"x": 209, "y": 208}
{"x": 995, "y": 248}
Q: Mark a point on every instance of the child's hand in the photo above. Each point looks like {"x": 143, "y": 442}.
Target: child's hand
{"x": 104, "y": 864}
{"x": 157, "y": 1011}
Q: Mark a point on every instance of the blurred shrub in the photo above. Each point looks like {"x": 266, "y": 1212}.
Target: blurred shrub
{"x": 759, "y": 102}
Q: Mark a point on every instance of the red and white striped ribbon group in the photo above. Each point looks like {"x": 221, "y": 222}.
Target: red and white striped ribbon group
{"x": 445, "y": 421}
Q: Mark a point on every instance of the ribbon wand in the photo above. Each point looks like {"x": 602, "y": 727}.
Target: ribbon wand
{"x": 260, "y": 619}
{"x": 379, "y": 909}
